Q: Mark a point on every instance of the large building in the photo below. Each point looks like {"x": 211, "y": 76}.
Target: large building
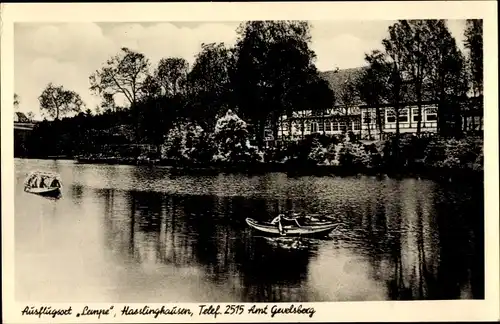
{"x": 361, "y": 118}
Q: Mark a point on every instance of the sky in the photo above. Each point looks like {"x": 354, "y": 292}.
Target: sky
{"x": 67, "y": 54}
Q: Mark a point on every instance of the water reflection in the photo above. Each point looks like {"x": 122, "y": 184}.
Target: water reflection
{"x": 148, "y": 236}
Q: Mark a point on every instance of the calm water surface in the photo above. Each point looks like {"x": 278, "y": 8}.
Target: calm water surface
{"x": 144, "y": 234}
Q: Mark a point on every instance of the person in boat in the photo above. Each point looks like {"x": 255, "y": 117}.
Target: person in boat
{"x": 42, "y": 182}
{"x": 36, "y": 181}
{"x": 277, "y": 221}
{"x": 31, "y": 182}
{"x": 282, "y": 220}
{"x": 55, "y": 183}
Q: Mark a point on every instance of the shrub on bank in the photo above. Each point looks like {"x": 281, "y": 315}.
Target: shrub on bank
{"x": 187, "y": 142}
{"x": 232, "y": 141}
{"x": 464, "y": 153}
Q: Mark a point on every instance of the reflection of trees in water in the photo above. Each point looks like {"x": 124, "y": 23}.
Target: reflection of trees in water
{"x": 414, "y": 253}
{"x": 77, "y": 193}
{"x": 207, "y": 232}
{"x": 461, "y": 229}
{"x": 273, "y": 273}
{"x": 398, "y": 236}
{"x": 427, "y": 242}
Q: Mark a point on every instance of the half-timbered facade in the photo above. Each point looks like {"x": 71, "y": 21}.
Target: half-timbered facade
{"x": 360, "y": 120}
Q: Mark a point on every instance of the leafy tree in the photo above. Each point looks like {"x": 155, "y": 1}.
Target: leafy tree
{"x": 447, "y": 77}
{"x": 319, "y": 96}
{"x": 273, "y": 62}
{"x": 210, "y": 87}
{"x": 188, "y": 144}
{"x": 416, "y": 34}
{"x": 171, "y": 75}
{"x": 371, "y": 85}
{"x": 231, "y": 138}
{"x": 123, "y": 74}
{"x": 150, "y": 88}
{"x": 55, "y": 101}
{"x": 474, "y": 45}
{"x": 348, "y": 95}
{"x": 108, "y": 102}
{"x": 393, "y": 71}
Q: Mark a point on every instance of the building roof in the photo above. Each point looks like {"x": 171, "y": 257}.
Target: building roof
{"x": 337, "y": 78}
{"x": 20, "y": 117}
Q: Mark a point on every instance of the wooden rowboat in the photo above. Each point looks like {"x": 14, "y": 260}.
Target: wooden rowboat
{"x": 319, "y": 229}
{"x": 52, "y": 186}
{"x": 49, "y": 192}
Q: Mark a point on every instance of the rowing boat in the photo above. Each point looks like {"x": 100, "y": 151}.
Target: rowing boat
{"x": 51, "y": 192}
{"x": 43, "y": 184}
{"x": 312, "y": 229}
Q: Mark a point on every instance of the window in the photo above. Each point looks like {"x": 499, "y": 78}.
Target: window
{"x": 335, "y": 126}
{"x": 478, "y": 122}
{"x": 403, "y": 116}
{"x": 343, "y": 126}
{"x": 431, "y": 114}
{"x": 381, "y": 115}
{"x": 356, "y": 124}
{"x": 391, "y": 117}
{"x": 415, "y": 116}
{"x": 367, "y": 117}
{"x": 321, "y": 126}
{"x": 328, "y": 126}
{"x": 308, "y": 126}
{"x": 314, "y": 127}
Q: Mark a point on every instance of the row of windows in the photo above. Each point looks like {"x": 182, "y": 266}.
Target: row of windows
{"x": 332, "y": 126}
{"x": 327, "y": 126}
{"x": 429, "y": 114}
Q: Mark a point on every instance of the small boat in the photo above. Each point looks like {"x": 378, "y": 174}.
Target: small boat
{"x": 43, "y": 183}
{"x": 307, "y": 229}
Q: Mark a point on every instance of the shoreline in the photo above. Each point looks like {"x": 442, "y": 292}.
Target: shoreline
{"x": 293, "y": 170}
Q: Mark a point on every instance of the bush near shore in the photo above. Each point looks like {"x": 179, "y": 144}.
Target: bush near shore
{"x": 229, "y": 146}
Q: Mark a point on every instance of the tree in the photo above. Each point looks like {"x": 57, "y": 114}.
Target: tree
{"x": 416, "y": 35}
{"x": 273, "y": 58}
{"x": 123, "y": 74}
{"x": 108, "y": 102}
{"x": 293, "y": 80}
{"x": 231, "y": 139}
{"x": 210, "y": 87}
{"x": 347, "y": 95}
{"x": 371, "y": 85}
{"x": 55, "y": 101}
{"x": 171, "y": 75}
{"x": 392, "y": 70}
{"x": 319, "y": 96}
{"x": 17, "y": 101}
{"x": 150, "y": 88}
{"x": 447, "y": 76}
{"x": 474, "y": 45}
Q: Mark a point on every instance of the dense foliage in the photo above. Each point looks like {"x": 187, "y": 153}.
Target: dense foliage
{"x": 217, "y": 110}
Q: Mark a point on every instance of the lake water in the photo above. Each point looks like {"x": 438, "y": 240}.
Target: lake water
{"x": 147, "y": 234}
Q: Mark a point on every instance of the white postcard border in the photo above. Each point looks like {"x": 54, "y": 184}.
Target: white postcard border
{"x": 459, "y": 310}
